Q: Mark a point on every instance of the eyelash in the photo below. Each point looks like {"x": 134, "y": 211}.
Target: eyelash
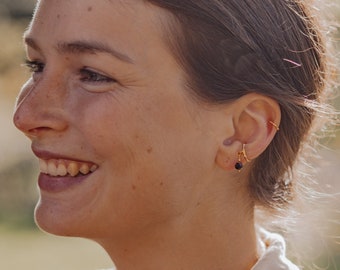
{"x": 86, "y": 75}
{"x": 34, "y": 66}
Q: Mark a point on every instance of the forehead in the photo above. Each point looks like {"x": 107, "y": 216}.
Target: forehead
{"x": 131, "y": 25}
{"x": 128, "y": 9}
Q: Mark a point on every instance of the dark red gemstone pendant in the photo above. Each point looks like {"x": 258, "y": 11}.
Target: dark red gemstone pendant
{"x": 238, "y": 166}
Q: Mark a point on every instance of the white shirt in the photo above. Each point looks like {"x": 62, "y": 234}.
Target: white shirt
{"x": 272, "y": 248}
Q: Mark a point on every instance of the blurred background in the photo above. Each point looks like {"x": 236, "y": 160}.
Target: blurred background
{"x": 23, "y": 246}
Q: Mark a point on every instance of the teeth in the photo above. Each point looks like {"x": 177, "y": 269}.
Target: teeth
{"x": 63, "y": 167}
{"x": 62, "y": 170}
{"x": 73, "y": 169}
{"x": 43, "y": 166}
{"x": 93, "y": 168}
{"x": 52, "y": 169}
{"x": 84, "y": 169}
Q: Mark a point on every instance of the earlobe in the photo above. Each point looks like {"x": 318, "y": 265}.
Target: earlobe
{"x": 228, "y": 154}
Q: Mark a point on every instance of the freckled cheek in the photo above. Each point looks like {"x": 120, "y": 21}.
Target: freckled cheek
{"x": 134, "y": 169}
{"x": 123, "y": 136}
{"x": 110, "y": 141}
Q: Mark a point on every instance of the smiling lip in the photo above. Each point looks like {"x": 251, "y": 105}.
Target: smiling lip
{"x": 60, "y": 173}
{"x": 56, "y": 184}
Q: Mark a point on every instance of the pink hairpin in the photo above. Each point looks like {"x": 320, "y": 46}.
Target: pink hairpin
{"x": 292, "y": 62}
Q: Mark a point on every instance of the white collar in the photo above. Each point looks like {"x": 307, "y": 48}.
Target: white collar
{"x": 272, "y": 248}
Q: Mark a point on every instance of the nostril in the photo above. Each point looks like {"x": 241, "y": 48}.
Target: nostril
{"x": 27, "y": 125}
{"x": 34, "y": 132}
{"x": 37, "y": 130}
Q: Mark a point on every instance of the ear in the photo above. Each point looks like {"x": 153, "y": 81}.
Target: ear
{"x": 255, "y": 120}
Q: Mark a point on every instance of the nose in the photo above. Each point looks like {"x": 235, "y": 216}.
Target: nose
{"x": 39, "y": 108}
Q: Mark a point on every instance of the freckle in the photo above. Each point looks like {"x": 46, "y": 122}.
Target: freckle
{"x": 149, "y": 150}
{"x": 161, "y": 184}
{"x": 198, "y": 204}
{"x": 89, "y": 9}
{"x": 134, "y": 187}
{"x": 58, "y": 16}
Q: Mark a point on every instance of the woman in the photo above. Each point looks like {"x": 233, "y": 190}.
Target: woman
{"x": 161, "y": 125}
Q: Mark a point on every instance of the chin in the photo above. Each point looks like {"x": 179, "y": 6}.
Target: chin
{"x": 52, "y": 220}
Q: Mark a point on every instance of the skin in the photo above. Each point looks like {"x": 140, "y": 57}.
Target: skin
{"x": 165, "y": 194}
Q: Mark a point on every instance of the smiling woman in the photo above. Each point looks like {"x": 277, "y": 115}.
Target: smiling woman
{"x": 161, "y": 125}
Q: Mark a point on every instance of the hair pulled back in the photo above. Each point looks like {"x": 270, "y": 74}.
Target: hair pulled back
{"x": 230, "y": 48}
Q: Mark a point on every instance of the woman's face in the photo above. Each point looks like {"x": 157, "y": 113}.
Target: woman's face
{"x": 122, "y": 146}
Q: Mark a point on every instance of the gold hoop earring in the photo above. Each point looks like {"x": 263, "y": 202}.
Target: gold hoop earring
{"x": 242, "y": 155}
{"x": 274, "y": 125}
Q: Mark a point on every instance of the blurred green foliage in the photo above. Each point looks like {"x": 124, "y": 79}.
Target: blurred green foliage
{"x": 18, "y": 194}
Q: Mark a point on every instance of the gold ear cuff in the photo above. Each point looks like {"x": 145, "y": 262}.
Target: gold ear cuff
{"x": 274, "y": 125}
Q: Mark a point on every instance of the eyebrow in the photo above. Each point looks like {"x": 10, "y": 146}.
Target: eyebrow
{"x": 82, "y": 47}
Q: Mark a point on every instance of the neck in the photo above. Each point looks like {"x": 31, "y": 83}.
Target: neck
{"x": 229, "y": 244}
{"x": 205, "y": 239}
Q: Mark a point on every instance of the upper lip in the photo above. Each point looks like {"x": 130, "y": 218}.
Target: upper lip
{"x": 47, "y": 155}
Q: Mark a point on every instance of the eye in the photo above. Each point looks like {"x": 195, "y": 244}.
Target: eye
{"x": 88, "y": 75}
{"x": 34, "y": 66}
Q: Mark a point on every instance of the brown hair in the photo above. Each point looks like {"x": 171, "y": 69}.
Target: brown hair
{"x": 229, "y": 48}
